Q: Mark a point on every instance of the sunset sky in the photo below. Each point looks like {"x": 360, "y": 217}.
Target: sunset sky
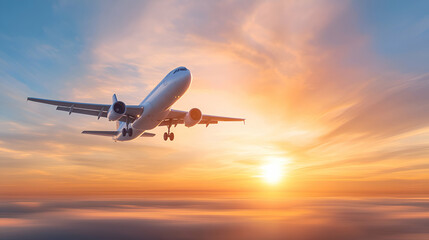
{"x": 335, "y": 96}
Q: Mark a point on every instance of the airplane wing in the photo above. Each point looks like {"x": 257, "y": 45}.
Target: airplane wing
{"x": 177, "y": 117}
{"x": 99, "y": 110}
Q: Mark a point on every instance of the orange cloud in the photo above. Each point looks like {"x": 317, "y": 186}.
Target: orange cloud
{"x": 302, "y": 73}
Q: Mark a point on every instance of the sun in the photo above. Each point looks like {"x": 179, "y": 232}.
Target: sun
{"x": 273, "y": 170}
{"x": 271, "y": 173}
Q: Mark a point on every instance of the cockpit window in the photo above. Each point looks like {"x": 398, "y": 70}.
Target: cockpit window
{"x": 179, "y": 69}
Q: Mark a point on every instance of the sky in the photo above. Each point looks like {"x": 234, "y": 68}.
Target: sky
{"x": 334, "y": 94}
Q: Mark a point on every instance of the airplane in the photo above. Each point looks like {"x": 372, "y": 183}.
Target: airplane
{"x": 132, "y": 121}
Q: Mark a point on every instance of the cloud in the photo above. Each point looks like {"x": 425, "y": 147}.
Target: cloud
{"x": 304, "y": 74}
{"x": 396, "y": 110}
{"x": 403, "y": 154}
{"x": 222, "y": 218}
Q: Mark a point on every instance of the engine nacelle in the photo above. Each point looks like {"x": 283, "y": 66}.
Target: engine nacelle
{"x": 193, "y": 117}
{"x": 116, "y": 111}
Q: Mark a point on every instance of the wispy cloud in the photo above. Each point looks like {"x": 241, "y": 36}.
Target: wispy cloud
{"x": 304, "y": 74}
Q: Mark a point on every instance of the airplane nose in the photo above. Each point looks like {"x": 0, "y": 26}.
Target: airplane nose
{"x": 186, "y": 78}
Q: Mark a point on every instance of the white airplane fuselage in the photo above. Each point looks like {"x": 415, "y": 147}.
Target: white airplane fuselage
{"x": 156, "y": 106}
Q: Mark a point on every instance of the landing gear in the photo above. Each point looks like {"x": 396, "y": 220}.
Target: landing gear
{"x": 127, "y": 130}
{"x": 168, "y": 135}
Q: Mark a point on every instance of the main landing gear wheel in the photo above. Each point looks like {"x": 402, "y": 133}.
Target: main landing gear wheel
{"x": 168, "y": 134}
{"x": 127, "y": 130}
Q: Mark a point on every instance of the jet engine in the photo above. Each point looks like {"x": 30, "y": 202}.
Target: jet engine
{"x": 193, "y": 117}
{"x": 116, "y": 111}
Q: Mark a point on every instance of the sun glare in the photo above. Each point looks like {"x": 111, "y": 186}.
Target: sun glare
{"x": 273, "y": 170}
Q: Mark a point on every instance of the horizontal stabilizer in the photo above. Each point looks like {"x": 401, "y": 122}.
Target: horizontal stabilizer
{"x": 146, "y": 134}
{"x": 102, "y": 133}
{"x": 114, "y": 133}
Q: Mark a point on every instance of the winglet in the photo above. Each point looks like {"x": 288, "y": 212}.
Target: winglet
{"x": 114, "y": 98}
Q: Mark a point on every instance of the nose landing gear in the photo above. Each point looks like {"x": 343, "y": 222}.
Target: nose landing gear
{"x": 168, "y": 135}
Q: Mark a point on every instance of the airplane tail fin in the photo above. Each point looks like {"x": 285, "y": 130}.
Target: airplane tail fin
{"x": 115, "y": 99}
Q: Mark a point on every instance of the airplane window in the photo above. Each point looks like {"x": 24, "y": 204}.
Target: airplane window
{"x": 180, "y": 69}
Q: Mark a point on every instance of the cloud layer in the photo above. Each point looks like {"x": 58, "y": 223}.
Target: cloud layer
{"x": 216, "y": 219}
